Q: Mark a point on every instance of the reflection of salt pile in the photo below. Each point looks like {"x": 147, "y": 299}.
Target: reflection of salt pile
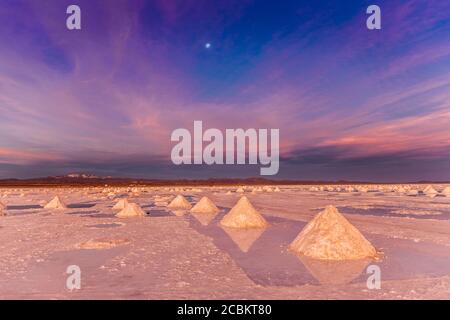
{"x": 56, "y": 203}
{"x": 244, "y": 238}
{"x": 179, "y": 213}
{"x": 179, "y": 202}
{"x": 121, "y": 204}
{"x": 329, "y": 236}
{"x": 205, "y": 205}
{"x": 131, "y": 210}
{"x": 330, "y": 272}
{"x": 243, "y": 215}
{"x": 412, "y": 193}
{"x": 205, "y": 218}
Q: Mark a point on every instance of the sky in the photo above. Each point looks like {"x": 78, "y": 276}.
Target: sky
{"x": 350, "y": 103}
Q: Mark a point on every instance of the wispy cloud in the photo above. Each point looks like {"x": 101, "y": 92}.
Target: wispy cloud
{"x": 114, "y": 91}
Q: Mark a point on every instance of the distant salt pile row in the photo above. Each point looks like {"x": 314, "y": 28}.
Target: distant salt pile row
{"x": 410, "y": 190}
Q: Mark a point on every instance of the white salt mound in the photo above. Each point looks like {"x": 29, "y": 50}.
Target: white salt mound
{"x": 412, "y": 192}
{"x": 205, "y": 205}
{"x": 55, "y": 203}
{"x": 2, "y": 208}
{"x": 430, "y": 190}
{"x": 131, "y": 210}
{"x": 329, "y": 236}
{"x": 446, "y": 191}
{"x": 121, "y": 204}
{"x": 243, "y": 215}
{"x": 180, "y": 202}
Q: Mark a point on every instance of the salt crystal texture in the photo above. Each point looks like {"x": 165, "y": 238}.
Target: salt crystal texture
{"x": 243, "y": 215}
{"x": 205, "y": 205}
{"x": 329, "y": 236}
{"x": 131, "y": 210}
{"x": 56, "y": 203}
{"x": 180, "y": 202}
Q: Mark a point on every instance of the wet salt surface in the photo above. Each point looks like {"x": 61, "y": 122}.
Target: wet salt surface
{"x": 105, "y": 225}
{"x": 52, "y": 273}
{"x": 81, "y": 205}
{"x": 263, "y": 256}
{"x": 23, "y": 207}
{"x": 83, "y": 213}
{"x": 406, "y": 259}
{"x": 389, "y": 211}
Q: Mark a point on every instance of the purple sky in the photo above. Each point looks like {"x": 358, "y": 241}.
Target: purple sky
{"x": 350, "y": 103}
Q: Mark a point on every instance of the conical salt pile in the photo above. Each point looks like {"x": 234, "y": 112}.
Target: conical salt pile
{"x": 401, "y": 189}
{"x": 180, "y": 202}
{"x": 205, "y": 205}
{"x": 121, "y": 204}
{"x": 131, "y": 210}
{"x": 243, "y": 215}
{"x": 430, "y": 190}
{"x": 2, "y": 208}
{"x": 329, "y": 236}
{"x": 446, "y": 192}
{"x": 56, "y": 203}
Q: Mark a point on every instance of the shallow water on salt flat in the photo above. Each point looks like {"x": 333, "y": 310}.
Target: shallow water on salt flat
{"x": 23, "y": 207}
{"x": 263, "y": 256}
{"x": 105, "y": 225}
{"x": 389, "y": 211}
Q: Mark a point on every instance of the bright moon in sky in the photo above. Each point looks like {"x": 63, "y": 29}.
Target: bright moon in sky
{"x": 208, "y": 45}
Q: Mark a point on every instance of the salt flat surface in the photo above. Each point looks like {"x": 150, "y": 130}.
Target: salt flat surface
{"x": 176, "y": 255}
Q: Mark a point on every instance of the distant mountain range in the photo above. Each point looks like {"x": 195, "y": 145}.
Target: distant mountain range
{"x": 86, "y": 179}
